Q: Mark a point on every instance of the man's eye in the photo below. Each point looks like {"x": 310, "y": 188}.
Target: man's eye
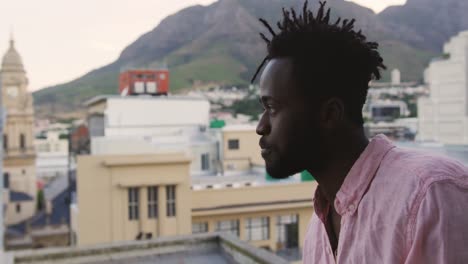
{"x": 270, "y": 108}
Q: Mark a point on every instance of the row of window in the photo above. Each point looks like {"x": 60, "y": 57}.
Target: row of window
{"x": 152, "y": 198}
{"x": 256, "y": 229}
{"x": 22, "y": 142}
{"x": 47, "y": 147}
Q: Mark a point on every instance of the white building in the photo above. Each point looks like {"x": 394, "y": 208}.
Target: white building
{"x": 387, "y": 110}
{"x": 443, "y": 116}
{"x": 396, "y": 76}
{"x": 141, "y": 124}
{"x": 52, "y": 156}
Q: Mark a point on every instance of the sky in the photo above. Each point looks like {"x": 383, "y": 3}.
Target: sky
{"x": 60, "y": 40}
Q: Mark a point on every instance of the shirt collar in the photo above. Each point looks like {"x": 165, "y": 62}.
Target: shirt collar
{"x": 357, "y": 180}
{"x": 361, "y": 175}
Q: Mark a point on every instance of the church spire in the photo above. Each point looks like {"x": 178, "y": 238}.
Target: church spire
{"x": 12, "y": 39}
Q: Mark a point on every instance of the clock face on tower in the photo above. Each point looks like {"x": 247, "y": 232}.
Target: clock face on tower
{"x": 12, "y": 91}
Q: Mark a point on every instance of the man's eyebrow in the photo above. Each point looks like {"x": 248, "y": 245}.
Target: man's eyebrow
{"x": 266, "y": 98}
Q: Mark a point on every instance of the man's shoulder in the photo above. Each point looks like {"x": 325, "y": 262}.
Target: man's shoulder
{"x": 405, "y": 176}
{"x": 421, "y": 166}
{"x": 409, "y": 173}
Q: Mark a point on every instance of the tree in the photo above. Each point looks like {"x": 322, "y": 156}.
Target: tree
{"x": 40, "y": 200}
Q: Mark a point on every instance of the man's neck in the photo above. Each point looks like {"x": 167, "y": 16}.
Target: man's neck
{"x": 347, "y": 152}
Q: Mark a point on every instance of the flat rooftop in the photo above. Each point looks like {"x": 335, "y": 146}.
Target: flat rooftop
{"x": 194, "y": 249}
{"x": 102, "y": 98}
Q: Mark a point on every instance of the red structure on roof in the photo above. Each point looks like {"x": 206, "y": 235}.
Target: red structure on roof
{"x": 137, "y": 82}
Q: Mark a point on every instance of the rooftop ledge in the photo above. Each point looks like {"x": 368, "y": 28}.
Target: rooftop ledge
{"x": 200, "y": 248}
{"x": 136, "y": 160}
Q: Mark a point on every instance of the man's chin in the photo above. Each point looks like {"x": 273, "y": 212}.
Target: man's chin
{"x": 278, "y": 174}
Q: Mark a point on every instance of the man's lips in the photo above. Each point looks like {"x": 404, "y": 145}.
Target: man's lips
{"x": 265, "y": 152}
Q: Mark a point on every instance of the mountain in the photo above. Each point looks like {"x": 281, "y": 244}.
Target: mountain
{"x": 427, "y": 24}
{"x": 205, "y": 46}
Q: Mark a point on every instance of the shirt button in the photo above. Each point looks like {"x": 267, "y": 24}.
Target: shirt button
{"x": 351, "y": 207}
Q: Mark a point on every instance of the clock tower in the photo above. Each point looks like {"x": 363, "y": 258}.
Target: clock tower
{"x": 18, "y": 137}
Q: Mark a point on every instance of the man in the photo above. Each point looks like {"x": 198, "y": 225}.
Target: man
{"x": 375, "y": 203}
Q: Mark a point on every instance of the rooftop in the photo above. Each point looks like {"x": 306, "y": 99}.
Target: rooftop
{"x": 102, "y": 98}
{"x": 19, "y": 196}
{"x": 201, "y": 248}
{"x": 240, "y": 127}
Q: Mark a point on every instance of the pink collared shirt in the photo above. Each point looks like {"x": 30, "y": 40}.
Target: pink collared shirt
{"x": 397, "y": 206}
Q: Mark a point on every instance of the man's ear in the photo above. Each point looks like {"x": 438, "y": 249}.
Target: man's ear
{"x": 332, "y": 113}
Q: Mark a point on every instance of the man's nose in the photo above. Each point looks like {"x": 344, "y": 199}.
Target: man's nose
{"x": 263, "y": 127}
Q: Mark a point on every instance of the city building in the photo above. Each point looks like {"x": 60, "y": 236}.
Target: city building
{"x": 52, "y": 156}
{"x": 26, "y": 225}
{"x": 387, "y": 110}
{"x": 3, "y": 195}
{"x": 19, "y": 157}
{"x": 131, "y": 197}
{"x": 158, "y": 175}
{"x": 146, "y": 124}
{"x": 443, "y": 116}
{"x": 236, "y": 158}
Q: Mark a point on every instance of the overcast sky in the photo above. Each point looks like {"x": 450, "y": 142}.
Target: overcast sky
{"x": 60, "y": 40}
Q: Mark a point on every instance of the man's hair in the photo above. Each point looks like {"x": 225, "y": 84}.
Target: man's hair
{"x": 333, "y": 58}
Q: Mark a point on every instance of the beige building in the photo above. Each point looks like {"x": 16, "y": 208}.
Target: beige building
{"x": 130, "y": 197}
{"x": 125, "y": 197}
{"x": 241, "y": 150}
{"x": 19, "y": 153}
{"x": 18, "y": 207}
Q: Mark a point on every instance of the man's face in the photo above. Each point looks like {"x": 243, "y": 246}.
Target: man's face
{"x": 290, "y": 141}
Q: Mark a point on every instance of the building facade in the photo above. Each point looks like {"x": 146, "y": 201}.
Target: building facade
{"x": 443, "y": 116}
{"x": 149, "y": 197}
{"x": 52, "y": 156}
{"x": 19, "y": 155}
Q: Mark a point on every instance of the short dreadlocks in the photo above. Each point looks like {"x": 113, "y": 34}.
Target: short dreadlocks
{"x": 332, "y": 57}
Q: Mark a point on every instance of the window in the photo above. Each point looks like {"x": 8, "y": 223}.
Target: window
{"x": 205, "y": 161}
{"x": 171, "y": 200}
{"x": 257, "y": 228}
{"x": 6, "y": 180}
{"x": 18, "y": 208}
{"x": 22, "y": 142}
{"x": 5, "y": 142}
{"x": 133, "y": 209}
{"x": 229, "y": 226}
{"x": 198, "y": 228}
{"x": 153, "y": 202}
{"x": 286, "y": 226}
{"x": 233, "y": 144}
